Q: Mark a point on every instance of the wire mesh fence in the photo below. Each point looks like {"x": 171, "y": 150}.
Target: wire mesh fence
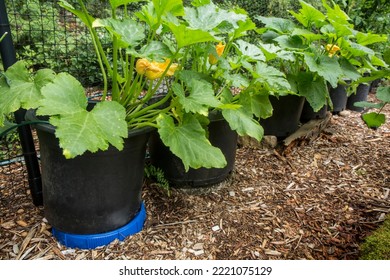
{"x": 45, "y": 35}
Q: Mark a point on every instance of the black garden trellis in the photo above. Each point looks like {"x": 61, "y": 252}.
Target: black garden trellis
{"x": 8, "y": 56}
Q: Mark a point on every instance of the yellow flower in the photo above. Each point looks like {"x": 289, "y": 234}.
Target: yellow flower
{"x": 141, "y": 65}
{"x": 332, "y": 49}
{"x": 219, "y": 48}
{"x": 154, "y": 70}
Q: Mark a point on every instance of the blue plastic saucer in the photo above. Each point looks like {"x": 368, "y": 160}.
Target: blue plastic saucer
{"x": 91, "y": 241}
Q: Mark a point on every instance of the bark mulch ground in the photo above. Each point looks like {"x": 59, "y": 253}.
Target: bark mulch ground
{"x": 317, "y": 199}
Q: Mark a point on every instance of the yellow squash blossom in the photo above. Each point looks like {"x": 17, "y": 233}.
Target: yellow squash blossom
{"x": 219, "y": 48}
{"x": 332, "y": 49}
{"x": 154, "y": 70}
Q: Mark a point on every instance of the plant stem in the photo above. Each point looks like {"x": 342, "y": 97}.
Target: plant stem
{"x": 115, "y": 50}
{"x": 3, "y": 36}
{"x": 102, "y": 59}
{"x": 153, "y": 106}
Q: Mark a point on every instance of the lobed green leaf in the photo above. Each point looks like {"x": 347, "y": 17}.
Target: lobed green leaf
{"x": 374, "y": 120}
{"x": 243, "y": 123}
{"x": 187, "y": 140}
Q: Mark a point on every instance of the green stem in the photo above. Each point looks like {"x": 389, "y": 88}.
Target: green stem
{"x": 153, "y": 106}
{"x": 151, "y": 115}
{"x": 145, "y": 124}
{"x": 115, "y": 87}
{"x": 380, "y": 110}
{"x": 128, "y": 76}
{"x": 115, "y": 50}
{"x": 3, "y": 36}
{"x": 101, "y": 57}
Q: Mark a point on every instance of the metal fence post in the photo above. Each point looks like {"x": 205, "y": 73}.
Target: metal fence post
{"x": 8, "y": 57}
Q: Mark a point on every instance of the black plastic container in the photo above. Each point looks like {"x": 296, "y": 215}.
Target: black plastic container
{"x": 95, "y": 192}
{"x": 287, "y": 111}
{"x": 339, "y": 98}
{"x": 220, "y": 135}
{"x": 361, "y": 95}
{"x": 309, "y": 114}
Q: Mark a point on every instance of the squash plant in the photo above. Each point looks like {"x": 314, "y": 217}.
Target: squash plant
{"x": 316, "y": 49}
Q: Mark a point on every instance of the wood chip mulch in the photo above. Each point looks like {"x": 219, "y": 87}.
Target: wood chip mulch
{"x": 316, "y": 199}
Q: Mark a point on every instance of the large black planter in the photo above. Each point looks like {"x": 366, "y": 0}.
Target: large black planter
{"x": 374, "y": 84}
{"x": 339, "y": 98}
{"x": 309, "y": 114}
{"x": 287, "y": 111}
{"x": 361, "y": 95}
{"x": 93, "y": 193}
{"x": 220, "y": 135}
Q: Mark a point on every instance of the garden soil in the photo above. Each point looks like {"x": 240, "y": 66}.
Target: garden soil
{"x": 316, "y": 199}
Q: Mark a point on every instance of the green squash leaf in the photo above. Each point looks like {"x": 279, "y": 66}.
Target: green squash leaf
{"x": 374, "y": 120}
{"x": 258, "y": 104}
{"x": 280, "y": 25}
{"x": 308, "y": 35}
{"x": 291, "y": 42}
{"x": 357, "y": 49}
{"x": 85, "y": 18}
{"x": 91, "y": 131}
{"x": 156, "y": 51}
{"x": 237, "y": 80}
{"x": 313, "y": 88}
{"x": 275, "y": 79}
{"x": 365, "y": 39}
{"x": 9, "y": 102}
{"x": 367, "y": 104}
{"x": 186, "y": 36}
{"x": 336, "y": 14}
{"x": 327, "y": 67}
{"x": 110, "y": 119}
{"x": 243, "y": 27}
{"x": 383, "y": 93}
{"x": 206, "y": 17}
{"x": 386, "y": 55}
{"x": 269, "y": 50}
{"x": 378, "y": 62}
{"x": 78, "y": 129}
{"x": 117, "y": 3}
{"x": 374, "y": 75}
{"x": 65, "y": 95}
{"x": 200, "y": 98}
{"x": 349, "y": 71}
{"x": 24, "y": 87}
{"x": 129, "y": 32}
{"x": 188, "y": 141}
{"x": 308, "y": 15}
{"x": 148, "y": 15}
{"x": 249, "y": 50}
{"x": 165, "y": 7}
{"x": 243, "y": 123}
{"x": 341, "y": 30}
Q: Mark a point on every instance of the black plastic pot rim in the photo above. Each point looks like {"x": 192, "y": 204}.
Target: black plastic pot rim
{"x": 47, "y": 127}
